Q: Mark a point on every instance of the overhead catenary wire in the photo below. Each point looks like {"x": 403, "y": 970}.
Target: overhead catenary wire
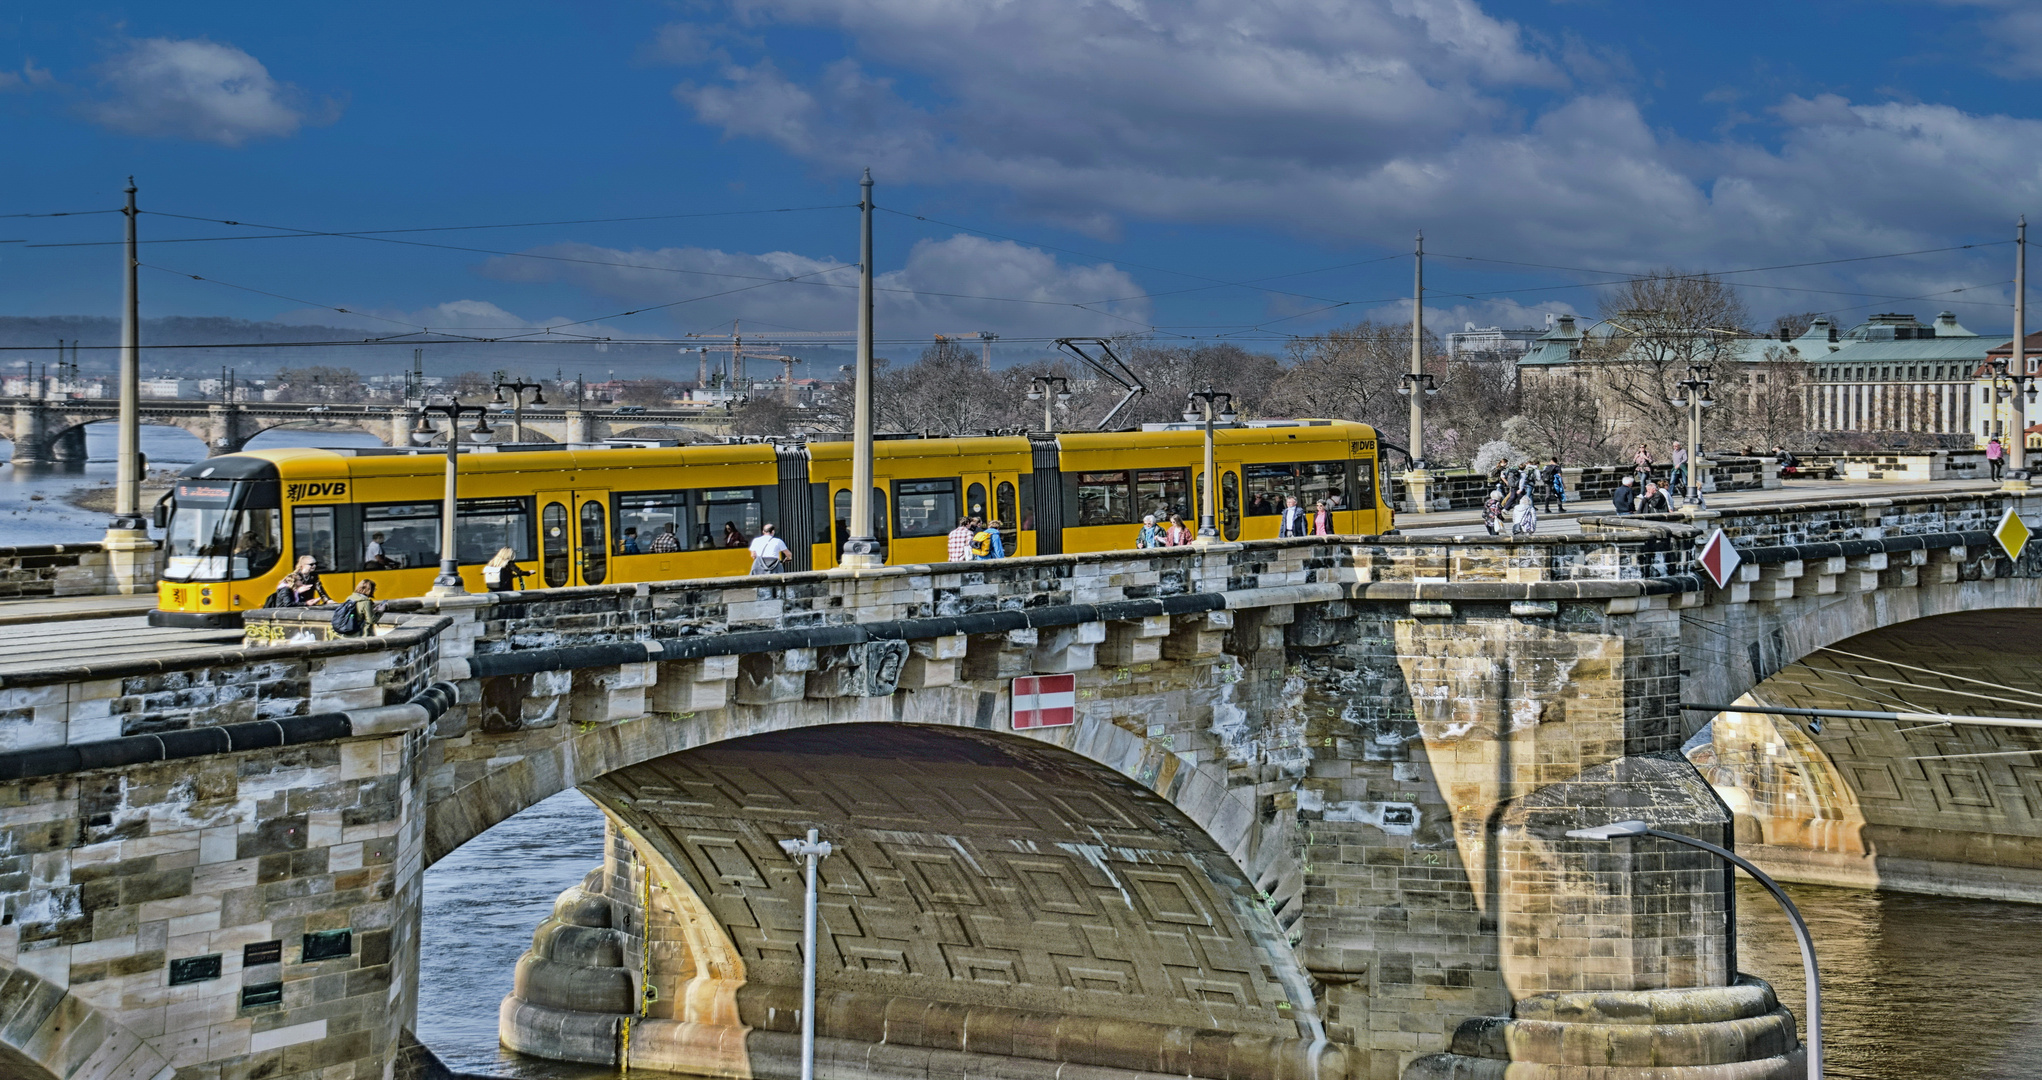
{"x": 303, "y": 234}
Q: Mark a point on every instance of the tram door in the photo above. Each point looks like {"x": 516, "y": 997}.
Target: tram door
{"x": 574, "y": 538}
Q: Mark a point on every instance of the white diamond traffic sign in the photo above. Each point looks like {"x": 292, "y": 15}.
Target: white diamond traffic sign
{"x": 1719, "y": 558}
{"x": 2012, "y": 534}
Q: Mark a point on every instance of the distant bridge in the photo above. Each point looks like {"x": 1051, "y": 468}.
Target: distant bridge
{"x": 52, "y": 431}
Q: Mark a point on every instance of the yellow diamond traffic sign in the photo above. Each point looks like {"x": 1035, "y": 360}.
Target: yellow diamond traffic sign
{"x": 2012, "y": 534}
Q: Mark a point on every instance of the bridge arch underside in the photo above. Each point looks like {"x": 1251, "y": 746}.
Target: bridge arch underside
{"x": 1915, "y": 806}
{"x": 992, "y": 902}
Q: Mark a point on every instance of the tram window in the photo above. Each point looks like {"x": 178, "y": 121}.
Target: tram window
{"x": 1008, "y": 519}
{"x": 401, "y": 535}
{"x": 727, "y": 517}
{"x": 1104, "y": 499}
{"x": 1322, "y": 481}
{"x": 650, "y": 512}
{"x": 553, "y": 542}
{"x": 1028, "y": 502}
{"x": 1160, "y": 492}
{"x": 843, "y": 518}
{"x": 313, "y": 533}
{"x": 487, "y": 526}
{"x": 819, "y": 510}
{"x": 595, "y": 559}
{"x": 926, "y": 507}
{"x": 974, "y": 500}
{"x": 1230, "y": 506}
{"x": 1361, "y": 487}
{"x": 1268, "y": 486}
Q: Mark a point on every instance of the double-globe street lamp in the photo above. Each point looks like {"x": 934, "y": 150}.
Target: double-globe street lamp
{"x": 1694, "y": 397}
{"x": 1209, "y": 404}
{"x": 448, "y": 583}
{"x": 1052, "y": 391}
{"x": 1626, "y": 829}
{"x": 2007, "y": 383}
{"x": 517, "y": 390}
{"x": 1417, "y": 385}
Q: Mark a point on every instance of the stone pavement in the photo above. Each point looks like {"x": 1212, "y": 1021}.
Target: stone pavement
{"x": 45, "y": 609}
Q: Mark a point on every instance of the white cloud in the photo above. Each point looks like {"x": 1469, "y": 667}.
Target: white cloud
{"x": 29, "y": 76}
{"x": 2013, "y": 32}
{"x": 1365, "y": 120}
{"x": 196, "y": 89}
{"x": 479, "y": 318}
{"x": 957, "y": 285}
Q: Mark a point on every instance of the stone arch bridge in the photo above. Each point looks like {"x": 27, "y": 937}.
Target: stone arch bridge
{"x": 1306, "y": 819}
{"x": 54, "y": 431}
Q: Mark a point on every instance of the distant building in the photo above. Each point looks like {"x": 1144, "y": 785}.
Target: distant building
{"x": 170, "y": 388}
{"x": 1495, "y": 341}
{"x": 1995, "y": 403}
{"x": 1892, "y": 374}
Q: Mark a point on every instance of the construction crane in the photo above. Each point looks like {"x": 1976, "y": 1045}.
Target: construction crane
{"x": 739, "y": 349}
{"x": 1107, "y": 364}
{"x": 985, "y": 336}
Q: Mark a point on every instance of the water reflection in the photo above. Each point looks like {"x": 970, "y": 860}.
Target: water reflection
{"x": 33, "y": 506}
{"x": 1912, "y": 986}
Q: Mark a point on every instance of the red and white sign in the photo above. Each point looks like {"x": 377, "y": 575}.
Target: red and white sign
{"x": 1045, "y": 701}
{"x": 1719, "y": 558}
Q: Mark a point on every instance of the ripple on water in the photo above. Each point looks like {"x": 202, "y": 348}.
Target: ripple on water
{"x": 482, "y": 903}
{"x": 1912, "y": 986}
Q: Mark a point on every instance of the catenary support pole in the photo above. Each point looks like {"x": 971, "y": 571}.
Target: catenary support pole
{"x": 127, "y": 495}
{"x": 1417, "y": 447}
{"x": 811, "y": 851}
{"x": 2017, "y": 457}
{"x": 861, "y": 549}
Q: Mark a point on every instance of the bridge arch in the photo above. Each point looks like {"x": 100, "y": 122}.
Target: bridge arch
{"x": 1917, "y": 806}
{"x": 50, "y": 1033}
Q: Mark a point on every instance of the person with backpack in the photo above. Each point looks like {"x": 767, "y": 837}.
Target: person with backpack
{"x": 986, "y": 543}
{"x": 1553, "y": 487}
{"x": 502, "y": 573}
{"x": 769, "y": 552}
{"x": 356, "y": 615}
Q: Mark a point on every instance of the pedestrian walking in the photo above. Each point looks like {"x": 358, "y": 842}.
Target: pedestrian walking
{"x": 1625, "y": 498}
{"x": 1176, "y": 535}
{"x": 1322, "y": 520}
{"x": 1525, "y": 522}
{"x": 1679, "y": 467}
{"x": 1293, "y": 523}
{"x": 1554, "y": 488}
{"x": 959, "y": 549}
{"x": 1492, "y": 511}
{"x": 1995, "y": 456}
{"x": 769, "y": 552}
{"x": 502, "y": 572}
{"x": 1150, "y": 536}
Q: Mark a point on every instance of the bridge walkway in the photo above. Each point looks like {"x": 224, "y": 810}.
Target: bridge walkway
{"x": 41, "y": 646}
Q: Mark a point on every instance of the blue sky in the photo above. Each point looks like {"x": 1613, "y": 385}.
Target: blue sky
{"x": 1088, "y": 166}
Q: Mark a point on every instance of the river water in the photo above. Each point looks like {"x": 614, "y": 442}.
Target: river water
{"x": 1913, "y": 986}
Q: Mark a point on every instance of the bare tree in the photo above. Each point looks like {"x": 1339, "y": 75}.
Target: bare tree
{"x": 652, "y": 393}
{"x": 765, "y": 414}
{"x": 1776, "y": 409}
{"x": 322, "y": 383}
{"x": 1477, "y": 393}
{"x": 1349, "y": 374}
{"x": 1660, "y": 324}
{"x": 1563, "y": 417}
{"x": 1794, "y": 323}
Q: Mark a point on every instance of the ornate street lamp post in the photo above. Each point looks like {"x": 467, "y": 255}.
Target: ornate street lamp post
{"x": 517, "y": 390}
{"x": 1051, "y": 390}
{"x": 448, "y": 583}
{"x": 1694, "y": 397}
{"x": 1209, "y": 404}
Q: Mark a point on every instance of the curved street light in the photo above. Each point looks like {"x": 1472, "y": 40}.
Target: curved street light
{"x": 517, "y": 390}
{"x": 1694, "y": 397}
{"x": 1052, "y": 391}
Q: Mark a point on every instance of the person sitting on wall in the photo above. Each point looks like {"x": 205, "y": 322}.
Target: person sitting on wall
{"x": 1625, "y": 498}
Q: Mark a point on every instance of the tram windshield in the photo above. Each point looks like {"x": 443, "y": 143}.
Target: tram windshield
{"x": 206, "y": 543}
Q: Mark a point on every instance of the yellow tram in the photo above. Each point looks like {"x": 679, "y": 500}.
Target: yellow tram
{"x": 235, "y": 524}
